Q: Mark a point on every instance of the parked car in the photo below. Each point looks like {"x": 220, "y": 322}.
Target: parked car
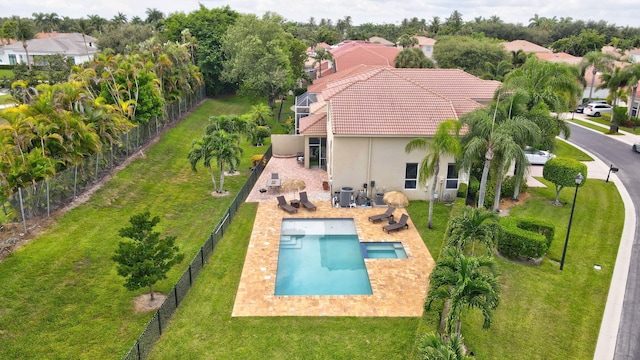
{"x": 537, "y": 157}
{"x": 597, "y": 109}
{"x": 636, "y": 147}
{"x": 580, "y": 108}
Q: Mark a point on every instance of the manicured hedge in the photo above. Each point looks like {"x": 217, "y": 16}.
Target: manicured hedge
{"x": 525, "y": 238}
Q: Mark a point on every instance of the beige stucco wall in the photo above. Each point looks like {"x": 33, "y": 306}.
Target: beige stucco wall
{"x": 359, "y": 160}
{"x": 284, "y": 145}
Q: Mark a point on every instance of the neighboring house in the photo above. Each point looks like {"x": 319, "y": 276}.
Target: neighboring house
{"x": 560, "y": 57}
{"x": 381, "y": 41}
{"x": 426, "y": 44}
{"x": 359, "y": 126}
{"x": 352, "y": 53}
{"x": 634, "y": 55}
{"x": 73, "y": 45}
{"x": 524, "y": 45}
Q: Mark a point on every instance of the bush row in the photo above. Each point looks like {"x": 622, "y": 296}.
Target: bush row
{"x": 525, "y": 238}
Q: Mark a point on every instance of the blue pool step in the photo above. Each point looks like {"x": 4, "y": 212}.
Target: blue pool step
{"x": 290, "y": 242}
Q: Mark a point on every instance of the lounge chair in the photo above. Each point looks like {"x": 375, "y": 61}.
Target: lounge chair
{"x": 286, "y": 207}
{"x": 388, "y": 214}
{"x": 304, "y": 200}
{"x": 402, "y": 224}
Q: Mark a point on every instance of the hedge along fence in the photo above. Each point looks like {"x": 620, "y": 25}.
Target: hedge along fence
{"x": 144, "y": 344}
{"x": 525, "y": 238}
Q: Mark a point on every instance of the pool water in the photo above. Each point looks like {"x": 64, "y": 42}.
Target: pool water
{"x": 320, "y": 257}
{"x": 383, "y": 250}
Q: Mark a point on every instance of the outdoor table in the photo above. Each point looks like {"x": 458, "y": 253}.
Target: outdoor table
{"x": 274, "y": 184}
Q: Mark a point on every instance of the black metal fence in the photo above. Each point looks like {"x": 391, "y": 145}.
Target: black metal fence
{"x": 40, "y": 199}
{"x": 160, "y": 320}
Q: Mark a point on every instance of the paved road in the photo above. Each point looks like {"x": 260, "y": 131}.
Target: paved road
{"x": 619, "y": 154}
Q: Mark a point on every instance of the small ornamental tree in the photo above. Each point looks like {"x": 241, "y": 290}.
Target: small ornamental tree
{"x": 147, "y": 259}
{"x": 562, "y": 172}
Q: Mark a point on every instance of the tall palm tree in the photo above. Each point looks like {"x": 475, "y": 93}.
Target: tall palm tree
{"x": 633, "y": 74}
{"x": 475, "y": 225}
{"x": 202, "y": 150}
{"x": 40, "y": 20}
{"x": 467, "y": 283}
{"x": 227, "y": 152}
{"x": 598, "y": 62}
{"x": 445, "y": 142}
{"x": 322, "y": 54}
{"x": 52, "y": 21}
{"x": 489, "y": 137}
{"x": 555, "y": 84}
{"x": 23, "y": 32}
{"x": 407, "y": 41}
{"x": 613, "y": 81}
{"x": 442, "y": 347}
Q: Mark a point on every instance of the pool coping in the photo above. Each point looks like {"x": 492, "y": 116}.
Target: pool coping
{"x": 399, "y": 285}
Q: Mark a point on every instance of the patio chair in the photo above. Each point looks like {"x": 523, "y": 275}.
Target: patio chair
{"x": 304, "y": 200}
{"x": 402, "y": 224}
{"x": 387, "y": 214}
{"x": 282, "y": 203}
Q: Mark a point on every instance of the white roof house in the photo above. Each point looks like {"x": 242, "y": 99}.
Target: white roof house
{"x": 74, "y": 45}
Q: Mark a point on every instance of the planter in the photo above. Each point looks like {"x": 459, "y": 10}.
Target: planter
{"x": 325, "y": 185}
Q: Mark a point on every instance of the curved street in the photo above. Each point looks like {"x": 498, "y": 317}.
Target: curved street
{"x": 616, "y": 151}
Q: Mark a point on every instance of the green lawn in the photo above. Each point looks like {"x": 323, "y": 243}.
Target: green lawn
{"x": 203, "y": 328}
{"x": 5, "y": 99}
{"x": 6, "y": 73}
{"x": 60, "y": 293}
{"x": 593, "y": 126}
{"x": 61, "y": 296}
{"x": 546, "y": 313}
{"x": 564, "y": 149}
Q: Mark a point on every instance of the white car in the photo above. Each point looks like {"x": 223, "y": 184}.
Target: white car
{"x": 537, "y": 157}
{"x": 597, "y": 109}
{"x": 636, "y": 147}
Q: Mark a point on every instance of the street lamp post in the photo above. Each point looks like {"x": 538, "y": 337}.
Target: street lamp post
{"x": 579, "y": 178}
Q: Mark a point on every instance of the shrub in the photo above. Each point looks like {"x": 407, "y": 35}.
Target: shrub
{"x": 462, "y": 191}
{"x": 509, "y": 186}
{"x": 525, "y": 238}
{"x": 299, "y": 91}
{"x": 562, "y": 172}
{"x": 474, "y": 186}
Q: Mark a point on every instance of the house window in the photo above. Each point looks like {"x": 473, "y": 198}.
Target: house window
{"x": 12, "y": 59}
{"x": 411, "y": 176}
{"x": 452, "y": 176}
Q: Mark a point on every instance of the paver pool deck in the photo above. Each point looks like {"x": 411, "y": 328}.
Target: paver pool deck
{"x": 399, "y": 285}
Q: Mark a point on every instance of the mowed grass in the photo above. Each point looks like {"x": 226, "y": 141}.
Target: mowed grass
{"x": 61, "y": 296}
{"x": 203, "y": 328}
{"x": 565, "y": 150}
{"x": 546, "y": 313}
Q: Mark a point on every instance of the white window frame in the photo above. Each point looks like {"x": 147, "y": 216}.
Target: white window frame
{"x": 449, "y": 181}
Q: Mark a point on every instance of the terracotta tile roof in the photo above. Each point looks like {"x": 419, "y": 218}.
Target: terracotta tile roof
{"x": 315, "y": 124}
{"x": 402, "y": 102}
{"x": 422, "y": 40}
{"x": 355, "y": 53}
{"x": 321, "y": 83}
{"x": 524, "y": 45}
{"x": 559, "y": 57}
{"x": 380, "y": 40}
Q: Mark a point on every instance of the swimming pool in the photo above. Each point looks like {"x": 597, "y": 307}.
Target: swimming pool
{"x": 320, "y": 257}
{"x": 383, "y": 250}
